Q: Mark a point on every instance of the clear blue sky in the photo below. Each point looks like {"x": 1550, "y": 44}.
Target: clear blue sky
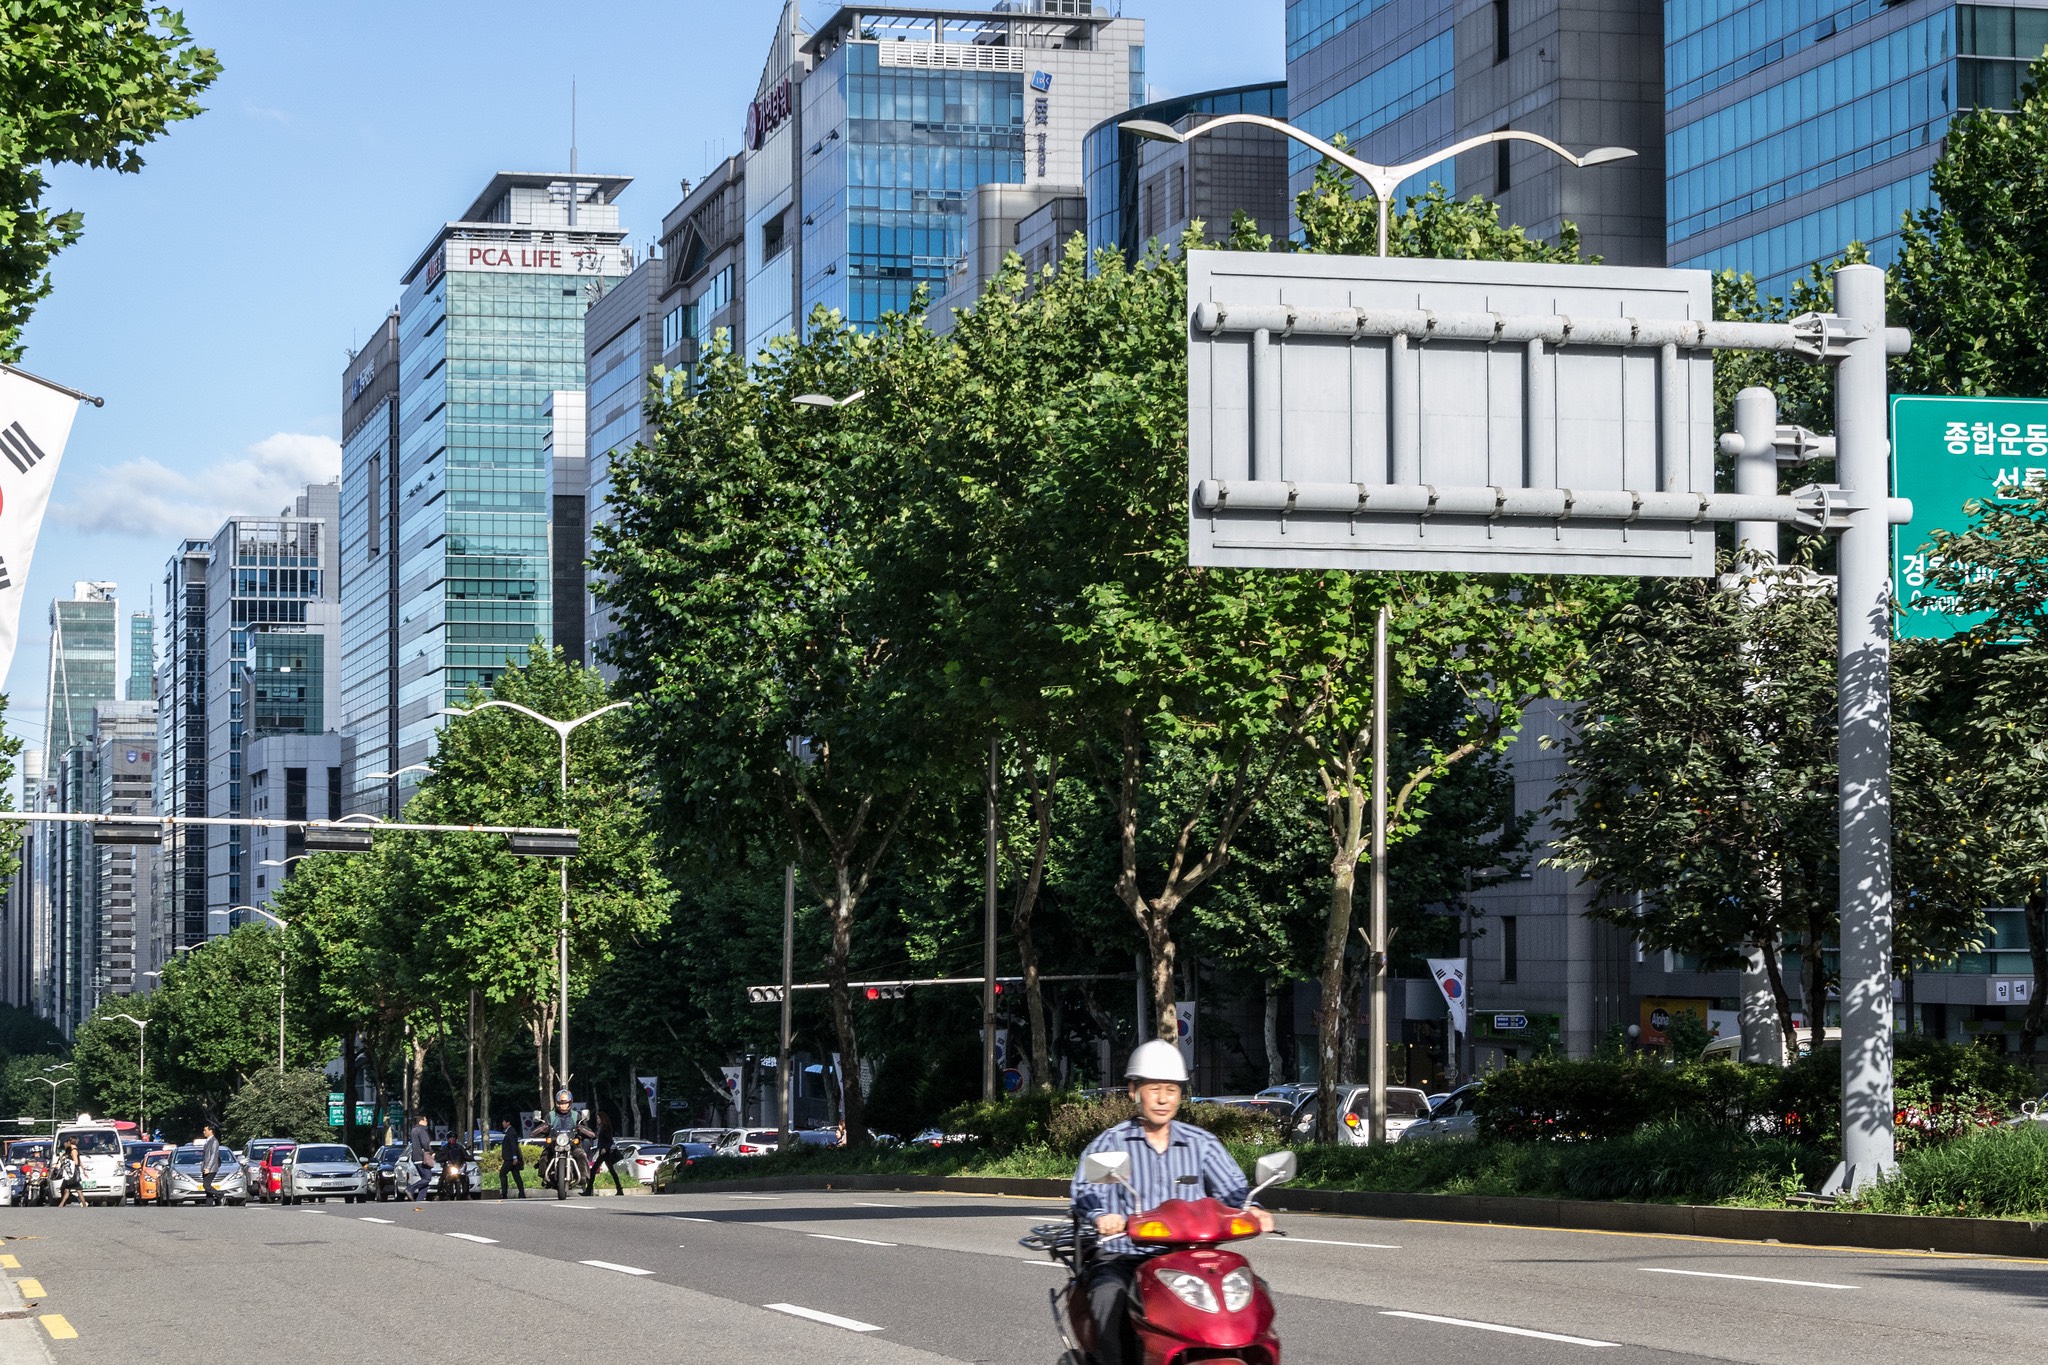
{"x": 215, "y": 295}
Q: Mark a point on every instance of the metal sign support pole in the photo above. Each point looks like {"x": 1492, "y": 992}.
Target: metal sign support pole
{"x": 782, "y": 1081}
{"x": 1863, "y": 688}
{"x": 988, "y": 949}
{"x": 1376, "y": 961}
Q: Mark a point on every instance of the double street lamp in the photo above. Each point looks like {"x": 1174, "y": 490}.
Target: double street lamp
{"x": 1382, "y": 180}
{"x": 141, "y": 1073}
{"x": 563, "y": 729}
{"x": 280, "y": 976}
{"x": 60, "y": 1081}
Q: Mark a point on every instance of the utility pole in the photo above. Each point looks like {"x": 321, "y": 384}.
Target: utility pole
{"x": 988, "y": 955}
{"x": 782, "y": 1081}
{"x": 1376, "y": 960}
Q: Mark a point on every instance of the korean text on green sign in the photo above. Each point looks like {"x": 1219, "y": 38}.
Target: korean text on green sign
{"x": 1947, "y": 452}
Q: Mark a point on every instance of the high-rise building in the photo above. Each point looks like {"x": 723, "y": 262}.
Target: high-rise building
{"x": 1796, "y": 129}
{"x": 18, "y": 945}
{"x": 564, "y": 443}
{"x": 292, "y": 776}
{"x": 181, "y": 745}
{"x": 368, "y": 545}
{"x": 267, "y": 577}
{"x": 1403, "y": 79}
{"x": 141, "y": 657}
{"x": 85, "y": 637}
{"x": 622, "y": 343}
{"x": 1138, "y": 190}
{"x": 122, "y": 939}
{"x": 490, "y": 327}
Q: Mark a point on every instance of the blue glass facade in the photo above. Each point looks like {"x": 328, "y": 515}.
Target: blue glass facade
{"x": 1795, "y": 127}
{"x": 1110, "y": 157}
{"x": 899, "y": 153}
{"x": 1378, "y": 72}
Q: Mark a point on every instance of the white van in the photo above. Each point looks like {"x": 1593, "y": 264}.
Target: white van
{"x": 102, "y": 1178}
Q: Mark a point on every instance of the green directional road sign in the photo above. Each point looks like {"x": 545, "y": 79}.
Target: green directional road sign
{"x": 1947, "y": 452}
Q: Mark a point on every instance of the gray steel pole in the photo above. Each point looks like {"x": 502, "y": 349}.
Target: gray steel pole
{"x": 1376, "y": 968}
{"x": 786, "y": 1089}
{"x": 1863, "y": 687}
{"x": 562, "y": 928}
{"x": 1756, "y": 465}
{"x": 988, "y": 952}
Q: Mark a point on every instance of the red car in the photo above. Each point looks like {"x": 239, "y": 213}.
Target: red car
{"x": 267, "y": 1179}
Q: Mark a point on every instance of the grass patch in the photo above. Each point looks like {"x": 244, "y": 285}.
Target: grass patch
{"x": 1995, "y": 1173}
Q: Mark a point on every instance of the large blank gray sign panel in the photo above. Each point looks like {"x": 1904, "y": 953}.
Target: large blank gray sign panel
{"x": 1366, "y": 413}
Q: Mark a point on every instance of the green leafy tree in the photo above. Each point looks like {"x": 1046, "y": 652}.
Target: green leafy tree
{"x": 26, "y": 1096}
{"x": 82, "y": 83}
{"x": 1701, "y": 777}
{"x": 483, "y": 919}
{"x": 219, "y": 1008}
{"x": 277, "y": 1103}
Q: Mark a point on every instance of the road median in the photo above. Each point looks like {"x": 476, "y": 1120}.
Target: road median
{"x": 1799, "y": 1227}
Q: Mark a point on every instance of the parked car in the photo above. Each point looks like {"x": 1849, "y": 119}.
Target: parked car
{"x": 1292, "y": 1093}
{"x": 1405, "y": 1106}
{"x": 1271, "y": 1106}
{"x": 749, "y": 1142}
{"x": 817, "y": 1137}
{"x": 323, "y": 1171}
{"x": 680, "y": 1157}
{"x": 231, "y": 1181}
{"x": 646, "y": 1157}
{"x": 1454, "y": 1118}
{"x": 711, "y": 1136}
{"x": 379, "y": 1178}
{"x": 266, "y": 1175}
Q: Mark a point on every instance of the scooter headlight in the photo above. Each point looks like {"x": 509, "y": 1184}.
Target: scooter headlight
{"x": 1237, "y": 1288}
{"x": 1192, "y": 1290}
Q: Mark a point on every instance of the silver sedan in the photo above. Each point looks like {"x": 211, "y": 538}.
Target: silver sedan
{"x": 186, "y": 1186}
{"x": 324, "y": 1171}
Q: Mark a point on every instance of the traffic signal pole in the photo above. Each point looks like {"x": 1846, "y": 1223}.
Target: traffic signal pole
{"x": 782, "y": 1082}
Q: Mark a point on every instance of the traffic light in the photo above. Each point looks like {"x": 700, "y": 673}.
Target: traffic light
{"x": 886, "y": 992}
{"x": 764, "y": 995}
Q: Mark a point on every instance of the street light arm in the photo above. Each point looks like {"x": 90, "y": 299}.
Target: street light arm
{"x": 1159, "y": 132}
{"x": 1597, "y": 157}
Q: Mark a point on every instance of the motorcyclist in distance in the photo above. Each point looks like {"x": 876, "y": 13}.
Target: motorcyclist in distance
{"x": 1168, "y": 1160}
{"x": 564, "y": 1119}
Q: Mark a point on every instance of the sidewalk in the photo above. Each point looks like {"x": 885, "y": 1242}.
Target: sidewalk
{"x": 23, "y": 1339}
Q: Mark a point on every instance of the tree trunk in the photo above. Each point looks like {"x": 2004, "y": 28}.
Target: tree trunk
{"x": 2037, "y": 952}
{"x": 1153, "y": 918}
{"x": 1813, "y": 975}
{"x": 1344, "y": 804}
{"x": 537, "y": 1023}
{"x": 1773, "y": 969}
{"x": 1354, "y": 983}
{"x": 1022, "y": 909}
{"x": 1272, "y": 1032}
{"x": 348, "y": 1091}
{"x": 841, "y": 910}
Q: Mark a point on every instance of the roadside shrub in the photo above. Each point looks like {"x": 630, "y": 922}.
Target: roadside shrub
{"x": 1991, "y": 1173}
{"x": 1009, "y": 1121}
{"x": 1946, "y": 1090}
{"x": 1691, "y": 1163}
{"x": 1064, "y": 1123}
{"x": 1552, "y": 1099}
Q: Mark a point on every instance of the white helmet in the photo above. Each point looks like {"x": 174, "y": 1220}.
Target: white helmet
{"x": 1157, "y": 1061}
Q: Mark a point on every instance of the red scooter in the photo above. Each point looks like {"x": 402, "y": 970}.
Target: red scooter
{"x": 1191, "y": 1301}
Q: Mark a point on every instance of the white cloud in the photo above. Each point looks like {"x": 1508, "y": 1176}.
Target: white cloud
{"x": 145, "y": 497}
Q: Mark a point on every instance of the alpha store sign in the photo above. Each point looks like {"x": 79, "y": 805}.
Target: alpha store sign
{"x": 768, "y": 113}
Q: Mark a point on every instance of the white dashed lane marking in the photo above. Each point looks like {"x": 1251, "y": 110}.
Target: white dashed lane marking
{"x": 613, "y": 1265}
{"x": 1500, "y": 1327}
{"x": 1753, "y": 1279}
{"x": 829, "y": 1319}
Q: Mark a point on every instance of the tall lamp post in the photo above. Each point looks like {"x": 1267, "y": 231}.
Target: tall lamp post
{"x": 563, "y": 729}
{"x": 60, "y": 1081}
{"x": 280, "y": 978}
{"x": 141, "y": 1074}
{"x": 1383, "y": 181}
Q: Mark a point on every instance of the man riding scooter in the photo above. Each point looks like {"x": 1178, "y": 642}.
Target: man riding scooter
{"x": 1168, "y": 1160}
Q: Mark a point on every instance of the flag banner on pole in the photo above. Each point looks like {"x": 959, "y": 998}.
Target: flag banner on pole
{"x": 649, "y": 1084}
{"x": 1450, "y": 979}
{"x": 35, "y": 422}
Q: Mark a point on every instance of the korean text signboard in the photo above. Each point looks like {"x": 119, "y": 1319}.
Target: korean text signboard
{"x": 1947, "y": 452}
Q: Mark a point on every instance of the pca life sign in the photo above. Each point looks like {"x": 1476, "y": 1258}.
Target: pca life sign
{"x": 1947, "y": 452}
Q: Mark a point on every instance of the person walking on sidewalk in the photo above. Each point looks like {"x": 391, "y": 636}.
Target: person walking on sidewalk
{"x": 606, "y": 1155}
{"x": 209, "y": 1163}
{"x": 70, "y": 1178}
{"x": 511, "y": 1160}
{"x": 419, "y": 1150}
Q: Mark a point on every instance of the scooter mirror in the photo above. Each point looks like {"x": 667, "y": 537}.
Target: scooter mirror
{"x": 1275, "y": 1168}
{"x": 2030, "y": 1108}
{"x": 1104, "y": 1168}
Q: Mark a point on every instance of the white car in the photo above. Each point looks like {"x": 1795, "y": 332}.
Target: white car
{"x": 1405, "y": 1106}
{"x": 323, "y": 1171}
{"x": 103, "y": 1174}
{"x": 646, "y": 1156}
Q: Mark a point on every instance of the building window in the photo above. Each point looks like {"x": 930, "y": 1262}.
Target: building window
{"x": 1510, "y": 951}
{"x": 774, "y": 236}
{"x": 1500, "y": 31}
{"x": 1502, "y": 177}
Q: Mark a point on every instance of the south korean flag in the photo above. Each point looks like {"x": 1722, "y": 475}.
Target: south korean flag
{"x": 35, "y": 422}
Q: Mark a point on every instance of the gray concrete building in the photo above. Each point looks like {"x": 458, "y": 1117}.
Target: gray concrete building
{"x": 563, "y": 446}
{"x": 622, "y": 345}
{"x": 367, "y": 545}
{"x": 181, "y": 785}
{"x": 292, "y": 776}
{"x": 123, "y": 934}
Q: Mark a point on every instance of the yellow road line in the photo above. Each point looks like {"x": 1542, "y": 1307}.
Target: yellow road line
{"x": 31, "y": 1289}
{"x": 10, "y": 1263}
{"x": 57, "y": 1327}
{"x": 1732, "y": 1241}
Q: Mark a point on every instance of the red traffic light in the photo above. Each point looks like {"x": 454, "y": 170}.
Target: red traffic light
{"x": 999, "y": 988}
{"x": 874, "y": 993}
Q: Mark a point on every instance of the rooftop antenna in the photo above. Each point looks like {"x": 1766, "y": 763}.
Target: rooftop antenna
{"x": 575, "y": 190}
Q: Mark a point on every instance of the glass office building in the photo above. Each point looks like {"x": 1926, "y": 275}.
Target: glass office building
{"x": 1112, "y": 159}
{"x": 1795, "y": 127}
{"x": 181, "y": 683}
{"x": 490, "y": 328}
{"x": 368, "y": 545}
{"x": 1381, "y": 73}
{"x": 85, "y": 635}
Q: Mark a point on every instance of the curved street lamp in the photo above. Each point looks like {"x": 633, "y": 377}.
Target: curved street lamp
{"x": 563, "y": 729}
{"x": 1383, "y": 180}
{"x": 141, "y": 1051}
{"x": 280, "y": 977}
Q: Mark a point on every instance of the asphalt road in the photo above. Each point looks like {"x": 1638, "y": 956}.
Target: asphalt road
{"x": 925, "y": 1277}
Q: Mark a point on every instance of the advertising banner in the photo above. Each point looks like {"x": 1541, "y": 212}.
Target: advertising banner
{"x": 1450, "y": 979}
{"x": 1657, "y": 1015}
{"x": 35, "y": 422}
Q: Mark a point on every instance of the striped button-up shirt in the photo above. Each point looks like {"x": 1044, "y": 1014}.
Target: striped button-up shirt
{"x": 1194, "y": 1164}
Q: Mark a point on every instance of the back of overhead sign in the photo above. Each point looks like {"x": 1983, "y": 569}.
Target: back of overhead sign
{"x": 1374, "y": 413}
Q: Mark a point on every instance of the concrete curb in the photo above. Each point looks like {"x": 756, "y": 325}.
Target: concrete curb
{"x": 1797, "y": 1227}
